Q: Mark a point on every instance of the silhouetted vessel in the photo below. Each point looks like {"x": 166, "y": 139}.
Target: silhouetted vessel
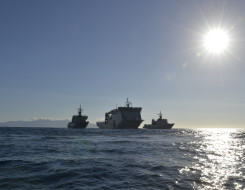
{"x": 159, "y": 123}
{"x": 127, "y": 117}
{"x": 78, "y": 121}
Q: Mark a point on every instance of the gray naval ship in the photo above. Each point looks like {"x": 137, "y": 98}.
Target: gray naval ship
{"x": 127, "y": 117}
{"x": 160, "y": 123}
{"x": 78, "y": 121}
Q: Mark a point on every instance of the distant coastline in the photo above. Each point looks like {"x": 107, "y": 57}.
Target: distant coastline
{"x": 41, "y": 123}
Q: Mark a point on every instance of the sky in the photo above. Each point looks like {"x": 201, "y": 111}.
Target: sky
{"x": 56, "y": 55}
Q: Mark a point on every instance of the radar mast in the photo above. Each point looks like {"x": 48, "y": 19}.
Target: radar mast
{"x": 128, "y": 103}
{"x": 80, "y": 110}
{"x": 160, "y": 115}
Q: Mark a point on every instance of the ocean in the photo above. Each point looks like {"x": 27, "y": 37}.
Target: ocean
{"x": 58, "y": 158}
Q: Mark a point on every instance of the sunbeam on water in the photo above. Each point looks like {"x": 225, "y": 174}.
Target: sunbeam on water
{"x": 218, "y": 160}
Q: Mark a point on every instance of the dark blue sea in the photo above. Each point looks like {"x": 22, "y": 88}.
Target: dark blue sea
{"x": 50, "y": 158}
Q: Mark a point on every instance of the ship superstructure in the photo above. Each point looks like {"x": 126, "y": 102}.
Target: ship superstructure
{"x": 127, "y": 117}
{"x": 78, "y": 121}
{"x": 160, "y": 123}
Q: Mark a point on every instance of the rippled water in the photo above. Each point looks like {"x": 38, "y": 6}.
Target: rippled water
{"x": 42, "y": 158}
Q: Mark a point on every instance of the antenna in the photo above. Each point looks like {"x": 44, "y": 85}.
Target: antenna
{"x": 160, "y": 115}
{"x": 128, "y": 103}
{"x": 80, "y": 110}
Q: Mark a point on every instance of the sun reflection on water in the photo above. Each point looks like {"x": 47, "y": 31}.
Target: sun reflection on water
{"x": 218, "y": 160}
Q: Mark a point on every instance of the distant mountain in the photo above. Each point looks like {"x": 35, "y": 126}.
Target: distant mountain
{"x": 40, "y": 123}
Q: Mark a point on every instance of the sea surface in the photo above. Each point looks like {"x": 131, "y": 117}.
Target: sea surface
{"x": 56, "y": 158}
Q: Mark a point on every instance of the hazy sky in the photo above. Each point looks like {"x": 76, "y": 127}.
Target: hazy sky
{"x": 56, "y": 55}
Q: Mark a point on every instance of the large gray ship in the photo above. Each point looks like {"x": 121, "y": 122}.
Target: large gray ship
{"x": 160, "y": 123}
{"x": 127, "y": 117}
{"x": 78, "y": 121}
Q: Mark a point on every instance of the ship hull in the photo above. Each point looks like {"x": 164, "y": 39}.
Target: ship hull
{"x": 165, "y": 126}
{"x": 127, "y": 124}
{"x": 133, "y": 124}
{"x": 82, "y": 125}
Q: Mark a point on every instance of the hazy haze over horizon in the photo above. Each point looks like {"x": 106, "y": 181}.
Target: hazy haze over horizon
{"x": 56, "y": 55}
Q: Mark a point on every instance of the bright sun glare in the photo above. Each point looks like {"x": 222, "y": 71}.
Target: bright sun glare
{"x": 216, "y": 41}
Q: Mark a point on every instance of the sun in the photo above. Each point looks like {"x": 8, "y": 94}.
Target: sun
{"x": 216, "y": 41}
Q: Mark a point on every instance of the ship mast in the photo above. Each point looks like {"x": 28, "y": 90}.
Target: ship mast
{"x": 160, "y": 115}
{"x": 128, "y": 103}
{"x": 80, "y": 110}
